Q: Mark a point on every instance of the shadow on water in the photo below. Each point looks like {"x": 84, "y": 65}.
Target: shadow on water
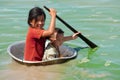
{"x": 79, "y": 48}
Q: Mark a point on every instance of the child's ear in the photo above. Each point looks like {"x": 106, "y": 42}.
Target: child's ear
{"x": 32, "y": 22}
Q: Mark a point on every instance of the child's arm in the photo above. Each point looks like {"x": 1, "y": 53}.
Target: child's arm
{"x": 74, "y": 36}
{"x": 50, "y": 30}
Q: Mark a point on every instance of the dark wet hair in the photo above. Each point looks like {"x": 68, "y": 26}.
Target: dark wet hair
{"x": 34, "y": 13}
{"x": 58, "y": 30}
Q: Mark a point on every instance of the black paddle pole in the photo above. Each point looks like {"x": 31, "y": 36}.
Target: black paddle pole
{"x": 90, "y": 43}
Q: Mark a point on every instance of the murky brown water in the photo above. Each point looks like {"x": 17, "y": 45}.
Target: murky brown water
{"x": 16, "y": 71}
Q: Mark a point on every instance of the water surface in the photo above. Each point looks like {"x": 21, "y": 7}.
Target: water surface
{"x": 98, "y": 20}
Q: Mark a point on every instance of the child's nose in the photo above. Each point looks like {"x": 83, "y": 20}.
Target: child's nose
{"x": 40, "y": 22}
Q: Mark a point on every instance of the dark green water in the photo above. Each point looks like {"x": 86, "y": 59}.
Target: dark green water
{"x": 98, "y": 20}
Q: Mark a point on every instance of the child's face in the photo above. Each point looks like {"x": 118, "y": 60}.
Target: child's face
{"x": 39, "y": 23}
{"x": 59, "y": 39}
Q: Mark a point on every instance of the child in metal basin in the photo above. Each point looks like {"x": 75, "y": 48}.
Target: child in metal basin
{"x": 55, "y": 49}
{"x": 37, "y": 35}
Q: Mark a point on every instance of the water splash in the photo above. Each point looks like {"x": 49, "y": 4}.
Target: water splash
{"x": 91, "y": 51}
{"x": 107, "y": 63}
{"x": 84, "y": 60}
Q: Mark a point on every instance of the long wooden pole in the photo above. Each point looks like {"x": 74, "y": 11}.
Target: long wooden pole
{"x": 90, "y": 43}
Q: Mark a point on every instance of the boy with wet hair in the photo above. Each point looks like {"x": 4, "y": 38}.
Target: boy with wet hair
{"x": 55, "y": 49}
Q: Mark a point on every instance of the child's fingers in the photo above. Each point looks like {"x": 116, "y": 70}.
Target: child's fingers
{"x": 75, "y": 35}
